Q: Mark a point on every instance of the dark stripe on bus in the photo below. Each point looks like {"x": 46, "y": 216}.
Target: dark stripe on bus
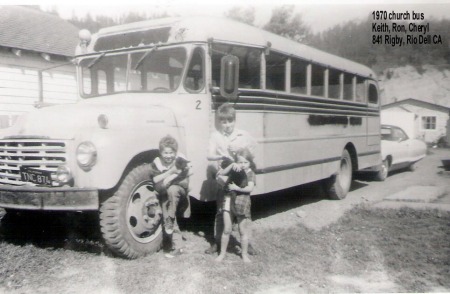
{"x": 283, "y": 167}
{"x": 277, "y": 168}
{"x": 290, "y": 98}
{"x": 355, "y": 121}
{"x": 303, "y": 104}
{"x": 258, "y": 100}
{"x": 321, "y": 120}
{"x": 295, "y": 109}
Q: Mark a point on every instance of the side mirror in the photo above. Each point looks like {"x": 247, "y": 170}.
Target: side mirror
{"x": 229, "y": 76}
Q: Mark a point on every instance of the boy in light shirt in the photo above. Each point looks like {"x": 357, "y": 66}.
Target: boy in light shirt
{"x": 224, "y": 143}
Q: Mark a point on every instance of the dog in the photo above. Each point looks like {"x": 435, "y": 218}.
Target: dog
{"x": 181, "y": 163}
{"x": 236, "y": 177}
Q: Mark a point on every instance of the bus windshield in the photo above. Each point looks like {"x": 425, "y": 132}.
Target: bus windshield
{"x": 155, "y": 70}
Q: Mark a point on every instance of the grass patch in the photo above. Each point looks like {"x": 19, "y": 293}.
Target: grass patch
{"x": 410, "y": 249}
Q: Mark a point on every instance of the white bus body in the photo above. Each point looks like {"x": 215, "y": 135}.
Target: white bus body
{"x": 314, "y": 115}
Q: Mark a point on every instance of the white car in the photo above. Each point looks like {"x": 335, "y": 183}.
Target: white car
{"x": 398, "y": 150}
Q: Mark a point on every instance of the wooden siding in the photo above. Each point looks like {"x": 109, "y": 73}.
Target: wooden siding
{"x": 19, "y": 84}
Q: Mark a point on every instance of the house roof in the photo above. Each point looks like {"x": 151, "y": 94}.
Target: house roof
{"x": 414, "y": 101}
{"x": 30, "y": 29}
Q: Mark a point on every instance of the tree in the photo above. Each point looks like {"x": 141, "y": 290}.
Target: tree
{"x": 94, "y": 24}
{"x": 355, "y": 41}
{"x": 287, "y": 24}
{"x": 88, "y": 22}
{"x": 245, "y": 15}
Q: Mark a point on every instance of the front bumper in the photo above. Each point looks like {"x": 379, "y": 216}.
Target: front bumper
{"x": 42, "y": 198}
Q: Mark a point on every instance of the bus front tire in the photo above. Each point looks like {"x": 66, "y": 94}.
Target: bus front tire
{"x": 339, "y": 184}
{"x": 130, "y": 219}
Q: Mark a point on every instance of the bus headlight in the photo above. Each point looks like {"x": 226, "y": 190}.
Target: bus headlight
{"x": 86, "y": 155}
{"x": 63, "y": 175}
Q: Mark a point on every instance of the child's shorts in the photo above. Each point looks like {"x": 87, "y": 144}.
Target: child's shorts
{"x": 241, "y": 205}
{"x": 237, "y": 205}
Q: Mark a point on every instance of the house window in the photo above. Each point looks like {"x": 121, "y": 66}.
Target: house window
{"x": 429, "y": 122}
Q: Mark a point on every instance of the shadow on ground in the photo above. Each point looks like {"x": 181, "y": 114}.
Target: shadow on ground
{"x": 81, "y": 231}
{"x": 73, "y": 231}
{"x": 203, "y": 214}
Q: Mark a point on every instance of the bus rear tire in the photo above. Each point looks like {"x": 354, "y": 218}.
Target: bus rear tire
{"x": 339, "y": 184}
{"x": 129, "y": 230}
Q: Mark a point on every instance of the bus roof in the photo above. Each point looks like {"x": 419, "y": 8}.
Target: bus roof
{"x": 200, "y": 29}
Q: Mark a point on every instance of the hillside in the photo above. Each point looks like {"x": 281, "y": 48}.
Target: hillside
{"x": 419, "y": 71}
{"x": 430, "y": 85}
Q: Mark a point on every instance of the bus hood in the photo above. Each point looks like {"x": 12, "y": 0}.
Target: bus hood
{"x": 65, "y": 121}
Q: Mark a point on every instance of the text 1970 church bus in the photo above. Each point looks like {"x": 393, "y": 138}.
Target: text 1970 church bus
{"x": 314, "y": 115}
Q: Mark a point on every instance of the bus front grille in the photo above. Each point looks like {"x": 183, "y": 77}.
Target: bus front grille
{"x": 32, "y": 153}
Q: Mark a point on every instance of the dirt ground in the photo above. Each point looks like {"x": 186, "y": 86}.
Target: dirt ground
{"x": 391, "y": 236}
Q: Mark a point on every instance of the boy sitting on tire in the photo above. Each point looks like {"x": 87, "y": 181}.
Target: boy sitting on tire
{"x": 170, "y": 173}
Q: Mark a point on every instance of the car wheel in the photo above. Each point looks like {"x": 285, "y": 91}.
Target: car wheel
{"x": 339, "y": 184}
{"x": 382, "y": 174}
{"x": 130, "y": 220}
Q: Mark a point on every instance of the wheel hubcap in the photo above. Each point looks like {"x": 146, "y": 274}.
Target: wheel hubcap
{"x": 384, "y": 170}
{"x": 144, "y": 213}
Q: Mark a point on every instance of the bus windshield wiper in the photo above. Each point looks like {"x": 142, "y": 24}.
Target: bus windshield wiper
{"x": 93, "y": 62}
{"x": 146, "y": 54}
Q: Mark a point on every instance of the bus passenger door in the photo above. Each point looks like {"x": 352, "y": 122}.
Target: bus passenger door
{"x": 193, "y": 108}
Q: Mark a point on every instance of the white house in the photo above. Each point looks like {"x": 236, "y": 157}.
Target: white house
{"x": 431, "y": 121}
{"x": 34, "y": 45}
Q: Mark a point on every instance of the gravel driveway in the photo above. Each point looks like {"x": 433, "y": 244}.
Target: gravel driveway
{"x": 387, "y": 236}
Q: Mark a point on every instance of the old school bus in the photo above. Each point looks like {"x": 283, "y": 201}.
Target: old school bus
{"x": 314, "y": 115}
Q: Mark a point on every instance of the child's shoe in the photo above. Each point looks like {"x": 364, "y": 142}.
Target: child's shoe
{"x": 174, "y": 253}
{"x": 213, "y": 249}
{"x": 251, "y": 251}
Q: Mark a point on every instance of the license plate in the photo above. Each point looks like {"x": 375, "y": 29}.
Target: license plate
{"x": 36, "y": 176}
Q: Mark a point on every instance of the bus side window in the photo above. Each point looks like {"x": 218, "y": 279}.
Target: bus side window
{"x": 195, "y": 80}
{"x": 373, "y": 94}
{"x": 298, "y": 76}
{"x": 250, "y": 69}
{"x": 348, "y": 87}
{"x": 218, "y": 51}
{"x": 275, "y": 72}
{"x": 318, "y": 80}
{"x": 334, "y": 84}
{"x": 249, "y": 64}
{"x": 360, "y": 92}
